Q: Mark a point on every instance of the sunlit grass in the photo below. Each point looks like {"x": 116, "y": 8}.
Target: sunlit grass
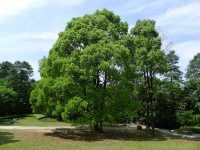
{"x": 30, "y": 120}
{"x": 20, "y": 140}
{"x": 194, "y": 129}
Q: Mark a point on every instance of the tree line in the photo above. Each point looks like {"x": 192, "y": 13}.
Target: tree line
{"x": 100, "y": 71}
{"x": 15, "y": 87}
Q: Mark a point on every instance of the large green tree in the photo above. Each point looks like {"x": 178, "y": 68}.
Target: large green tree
{"x": 100, "y": 72}
{"x": 91, "y": 58}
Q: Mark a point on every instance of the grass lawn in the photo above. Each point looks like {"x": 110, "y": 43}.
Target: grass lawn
{"x": 189, "y": 129}
{"x": 38, "y": 140}
{"x": 30, "y": 120}
{"x": 21, "y": 140}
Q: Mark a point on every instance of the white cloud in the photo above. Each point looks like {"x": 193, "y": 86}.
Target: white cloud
{"x": 36, "y": 36}
{"x": 43, "y": 41}
{"x": 68, "y": 3}
{"x": 184, "y": 19}
{"x": 133, "y": 7}
{"x": 15, "y": 7}
{"x": 180, "y": 24}
{"x": 190, "y": 10}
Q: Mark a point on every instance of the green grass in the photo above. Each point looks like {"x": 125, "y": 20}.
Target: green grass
{"x": 20, "y": 140}
{"x": 29, "y": 140}
{"x": 189, "y": 129}
{"x": 31, "y": 120}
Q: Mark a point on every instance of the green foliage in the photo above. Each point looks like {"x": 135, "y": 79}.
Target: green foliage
{"x": 193, "y": 71}
{"x": 100, "y": 72}
{"x": 16, "y": 77}
{"x": 187, "y": 118}
{"x": 50, "y": 95}
{"x": 169, "y": 95}
{"x": 7, "y": 94}
{"x": 174, "y": 74}
{"x": 150, "y": 61}
{"x": 92, "y": 56}
{"x": 148, "y": 48}
{"x": 7, "y": 100}
{"x": 192, "y": 89}
{"x": 168, "y": 103}
{"x": 75, "y": 108}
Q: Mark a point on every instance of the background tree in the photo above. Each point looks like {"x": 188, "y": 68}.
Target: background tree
{"x": 174, "y": 74}
{"x": 16, "y": 77}
{"x": 8, "y": 99}
{"x": 170, "y": 94}
{"x": 151, "y": 62}
{"x": 193, "y": 85}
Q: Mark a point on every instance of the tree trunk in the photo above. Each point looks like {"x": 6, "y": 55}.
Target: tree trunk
{"x": 98, "y": 126}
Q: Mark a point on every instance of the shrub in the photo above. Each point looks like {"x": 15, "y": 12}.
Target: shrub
{"x": 187, "y": 118}
{"x": 7, "y": 100}
{"x": 74, "y": 109}
{"x": 196, "y": 119}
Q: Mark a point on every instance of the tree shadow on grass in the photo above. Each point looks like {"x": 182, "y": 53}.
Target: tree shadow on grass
{"x": 6, "y": 138}
{"x": 108, "y": 134}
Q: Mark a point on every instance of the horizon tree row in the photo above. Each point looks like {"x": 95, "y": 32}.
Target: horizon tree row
{"x": 15, "y": 87}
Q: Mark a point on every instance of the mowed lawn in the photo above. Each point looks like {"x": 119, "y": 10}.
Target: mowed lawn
{"x": 27, "y": 140}
{"x": 38, "y": 140}
{"x": 30, "y": 120}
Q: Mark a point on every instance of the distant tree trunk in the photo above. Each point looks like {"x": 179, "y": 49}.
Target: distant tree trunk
{"x": 98, "y": 126}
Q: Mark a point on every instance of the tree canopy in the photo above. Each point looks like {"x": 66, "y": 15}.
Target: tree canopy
{"x": 100, "y": 71}
{"x": 90, "y": 58}
{"x": 16, "y": 85}
{"x": 193, "y": 85}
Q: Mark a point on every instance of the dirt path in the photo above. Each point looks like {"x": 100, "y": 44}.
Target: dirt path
{"x": 36, "y": 128}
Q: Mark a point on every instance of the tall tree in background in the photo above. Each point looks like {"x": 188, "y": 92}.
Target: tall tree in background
{"x": 193, "y": 85}
{"x": 151, "y": 62}
{"x": 5, "y": 70}
{"x": 174, "y": 74}
{"x": 8, "y": 98}
{"x": 17, "y": 78}
{"x": 170, "y": 94}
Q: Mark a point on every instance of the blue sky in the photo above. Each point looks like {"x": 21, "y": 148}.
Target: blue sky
{"x": 28, "y": 28}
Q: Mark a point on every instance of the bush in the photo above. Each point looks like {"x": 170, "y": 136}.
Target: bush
{"x": 7, "y": 100}
{"x": 196, "y": 119}
{"x": 74, "y": 109}
{"x": 187, "y": 118}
